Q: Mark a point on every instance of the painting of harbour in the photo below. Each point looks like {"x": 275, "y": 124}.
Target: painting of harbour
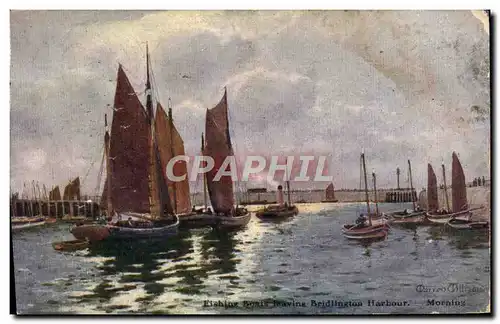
{"x": 250, "y": 162}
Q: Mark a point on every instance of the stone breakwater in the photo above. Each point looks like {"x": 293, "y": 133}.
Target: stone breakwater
{"x": 477, "y": 196}
{"x": 304, "y": 196}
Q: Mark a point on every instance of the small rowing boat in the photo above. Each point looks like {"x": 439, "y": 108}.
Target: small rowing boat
{"x": 281, "y": 210}
{"x": 379, "y": 234}
{"x": 463, "y": 224}
{"x": 73, "y": 245}
{"x": 18, "y": 223}
{"x": 376, "y": 226}
{"x": 277, "y": 212}
{"x": 415, "y": 216}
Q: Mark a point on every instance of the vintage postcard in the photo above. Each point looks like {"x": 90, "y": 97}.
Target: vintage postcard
{"x": 250, "y": 162}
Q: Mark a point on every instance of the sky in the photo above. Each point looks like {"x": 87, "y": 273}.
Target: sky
{"x": 397, "y": 85}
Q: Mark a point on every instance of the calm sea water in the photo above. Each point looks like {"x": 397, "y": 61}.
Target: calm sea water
{"x": 300, "y": 266}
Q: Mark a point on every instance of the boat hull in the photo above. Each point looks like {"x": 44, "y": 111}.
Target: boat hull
{"x": 96, "y": 232}
{"x": 24, "y": 220}
{"x": 445, "y": 218}
{"x": 352, "y": 230}
{"x": 232, "y": 223}
{"x": 378, "y": 235}
{"x": 197, "y": 220}
{"x": 17, "y": 227}
{"x": 75, "y": 220}
{"x": 277, "y": 214}
{"x": 467, "y": 225}
{"x": 73, "y": 245}
{"x": 414, "y": 218}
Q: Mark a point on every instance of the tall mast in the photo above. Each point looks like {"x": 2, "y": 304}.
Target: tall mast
{"x": 39, "y": 199}
{"x": 445, "y": 189}
{"x": 149, "y": 102}
{"x": 171, "y": 120}
{"x": 366, "y": 189}
{"x": 149, "y": 112}
{"x": 411, "y": 186}
{"x": 288, "y": 187}
{"x": 375, "y": 191}
{"x": 204, "y": 174}
{"x": 108, "y": 167}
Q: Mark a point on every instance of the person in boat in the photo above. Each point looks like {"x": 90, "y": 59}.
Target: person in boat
{"x": 209, "y": 211}
{"x": 129, "y": 222}
{"x": 361, "y": 221}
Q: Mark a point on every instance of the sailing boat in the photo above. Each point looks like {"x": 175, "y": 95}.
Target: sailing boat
{"x": 459, "y": 200}
{"x": 135, "y": 186}
{"x": 330, "y": 194}
{"x": 460, "y": 207}
{"x": 281, "y": 210}
{"x": 415, "y": 216}
{"x": 218, "y": 146}
{"x": 377, "y": 227}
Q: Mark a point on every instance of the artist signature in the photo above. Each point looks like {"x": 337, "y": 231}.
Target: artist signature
{"x": 463, "y": 288}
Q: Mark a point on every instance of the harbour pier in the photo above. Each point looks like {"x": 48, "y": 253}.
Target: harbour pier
{"x": 58, "y": 209}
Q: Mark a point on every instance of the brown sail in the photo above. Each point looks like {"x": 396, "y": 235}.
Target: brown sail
{"x": 72, "y": 190}
{"x": 330, "y": 192}
{"x": 129, "y": 154}
{"x": 170, "y": 141}
{"x": 55, "y": 194}
{"x": 458, "y": 186}
{"x": 160, "y": 199}
{"x": 218, "y": 146}
{"x": 432, "y": 193}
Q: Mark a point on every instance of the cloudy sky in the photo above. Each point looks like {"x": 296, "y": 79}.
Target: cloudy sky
{"x": 398, "y": 85}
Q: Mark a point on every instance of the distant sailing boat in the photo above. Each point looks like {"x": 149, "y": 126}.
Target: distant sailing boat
{"x": 218, "y": 146}
{"x": 329, "y": 194}
{"x": 460, "y": 207}
{"x": 415, "y": 216}
{"x": 135, "y": 187}
{"x": 281, "y": 210}
{"x": 377, "y": 227}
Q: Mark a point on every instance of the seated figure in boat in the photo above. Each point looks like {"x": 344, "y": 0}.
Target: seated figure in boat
{"x": 241, "y": 211}
{"x": 361, "y": 221}
{"x": 209, "y": 210}
{"x": 442, "y": 211}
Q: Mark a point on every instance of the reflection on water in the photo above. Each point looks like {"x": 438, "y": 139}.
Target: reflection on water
{"x": 281, "y": 267}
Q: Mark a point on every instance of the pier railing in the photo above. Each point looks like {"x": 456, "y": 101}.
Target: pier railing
{"x": 58, "y": 209}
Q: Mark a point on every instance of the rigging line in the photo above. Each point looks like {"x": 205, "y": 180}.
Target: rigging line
{"x": 99, "y": 175}
{"x": 88, "y": 171}
{"x": 156, "y": 92}
{"x": 360, "y": 183}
